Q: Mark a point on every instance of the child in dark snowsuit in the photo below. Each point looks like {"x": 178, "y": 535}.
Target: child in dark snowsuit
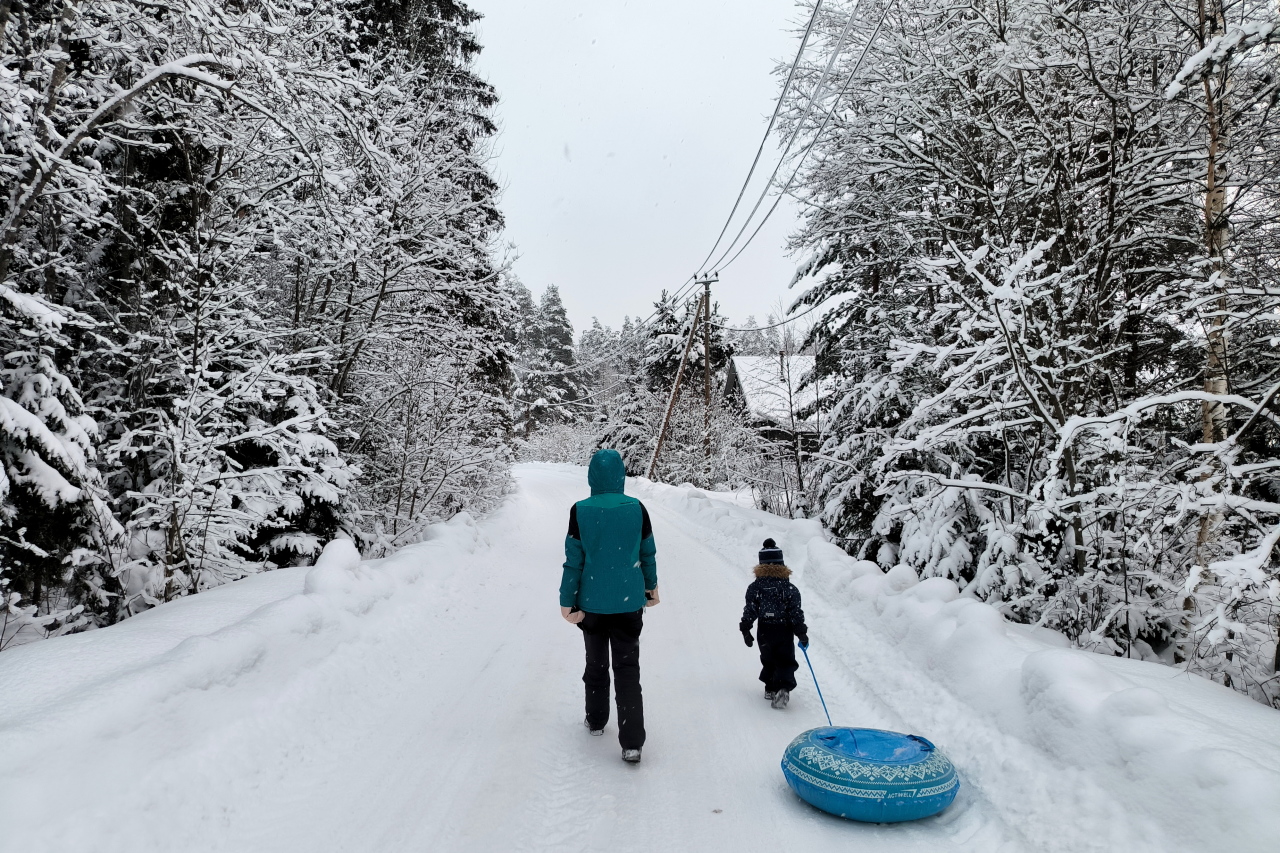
{"x": 775, "y": 602}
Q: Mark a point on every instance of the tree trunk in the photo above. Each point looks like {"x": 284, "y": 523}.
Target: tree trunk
{"x": 1217, "y": 231}
{"x": 1217, "y": 235}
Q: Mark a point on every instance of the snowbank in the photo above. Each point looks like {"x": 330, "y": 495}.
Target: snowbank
{"x": 1152, "y": 757}
{"x": 132, "y": 704}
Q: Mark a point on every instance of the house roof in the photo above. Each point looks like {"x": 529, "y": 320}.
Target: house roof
{"x": 763, "y": 380}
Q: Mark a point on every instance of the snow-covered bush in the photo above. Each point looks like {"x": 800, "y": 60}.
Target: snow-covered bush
{"x": 571, "y": 444}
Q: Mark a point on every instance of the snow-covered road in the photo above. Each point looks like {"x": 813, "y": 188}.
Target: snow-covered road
{"x": 432, "y": 701}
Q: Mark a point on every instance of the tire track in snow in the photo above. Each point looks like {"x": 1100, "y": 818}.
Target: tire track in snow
{"x": 724, "y": 565}
{"x": 851, "y": 698}
{"x": 1014, "y": 796}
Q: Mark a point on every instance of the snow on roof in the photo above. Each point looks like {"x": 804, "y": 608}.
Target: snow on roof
{"x": 769, "y": 395}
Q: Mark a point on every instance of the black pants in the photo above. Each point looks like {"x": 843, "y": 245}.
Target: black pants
{"x": 619, "y": 632}
{"x": 777, "y": 657}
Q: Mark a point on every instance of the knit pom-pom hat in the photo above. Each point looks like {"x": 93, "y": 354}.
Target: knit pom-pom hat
{"x": 771, "y": 554}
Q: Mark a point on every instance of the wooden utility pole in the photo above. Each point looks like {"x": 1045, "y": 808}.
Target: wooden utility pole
{"x": 675, "y": 387}
{"x": 706, "y": 363}
{"x": 784, "y": 370}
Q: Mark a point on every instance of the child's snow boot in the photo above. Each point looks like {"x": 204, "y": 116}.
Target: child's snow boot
{"x": 780, "y": 699}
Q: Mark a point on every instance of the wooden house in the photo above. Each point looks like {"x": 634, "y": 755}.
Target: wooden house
{"x": 769, "y": 390}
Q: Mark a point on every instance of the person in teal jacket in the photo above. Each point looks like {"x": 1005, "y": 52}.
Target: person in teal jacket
{"x": 610, "y": 577}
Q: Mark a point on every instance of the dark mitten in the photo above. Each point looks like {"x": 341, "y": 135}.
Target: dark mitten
{"x": 747, "y": 638}
{"x": 804, "y": 640}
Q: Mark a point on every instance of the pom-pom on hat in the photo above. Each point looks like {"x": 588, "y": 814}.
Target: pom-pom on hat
{"x": 771, "y": 554}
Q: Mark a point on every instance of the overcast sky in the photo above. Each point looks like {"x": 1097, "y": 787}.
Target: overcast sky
{"x": 626, "y": 131}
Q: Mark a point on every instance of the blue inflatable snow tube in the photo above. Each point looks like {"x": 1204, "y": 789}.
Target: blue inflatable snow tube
{"x": 869, "y": 774}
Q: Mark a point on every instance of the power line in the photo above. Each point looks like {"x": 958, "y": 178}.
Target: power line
{"x": 692, "y": 281}
{"x": 809, "y": 310}
{"x": 809, "y": 147}
{"x": 818, "y": 95}
{"x": 583, "y": 401}
{"x": 684, "y": 289}
{"x": 819, "y": 91}
{"x": 777, "y": 109}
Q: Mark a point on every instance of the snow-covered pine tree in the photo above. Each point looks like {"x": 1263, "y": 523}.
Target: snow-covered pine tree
{"x": 549, "y": 384}
{"x": 753, "y": 338}
{"x": 616, "y": 399}
{"x": 1008, "y": 230}
{"x": 664, "y": 339}
{"x": 522, "y": 335}
{"x": 215, "y": 427}
{"x": 52, "y": 521}
{"x": 220, "y": 270}
{"x": 632, "y": 428}
{"x": 601, "y": 361}
{"x": 75, "y": 77}
{"x": 216, "y": 443}
{"x": 563, "y": 386}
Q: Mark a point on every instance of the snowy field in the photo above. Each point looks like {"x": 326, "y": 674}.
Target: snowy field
{"x": 432, "y": 701}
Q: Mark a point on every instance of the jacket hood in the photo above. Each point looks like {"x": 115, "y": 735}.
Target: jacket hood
{"x": 607, "y": 474}
{"x": 772, "y": 570}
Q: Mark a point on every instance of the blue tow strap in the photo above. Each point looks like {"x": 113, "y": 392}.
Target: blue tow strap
{"x": 815, "y": 684}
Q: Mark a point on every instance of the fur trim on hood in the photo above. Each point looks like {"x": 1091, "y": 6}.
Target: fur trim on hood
{"x": 772, "y": 570}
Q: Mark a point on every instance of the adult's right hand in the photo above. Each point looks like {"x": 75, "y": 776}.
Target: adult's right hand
{"x": 573, "y": 617}
{"x": 747, "y": 638}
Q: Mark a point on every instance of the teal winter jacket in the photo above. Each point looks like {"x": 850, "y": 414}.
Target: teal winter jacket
{"x": 609, "y": 552}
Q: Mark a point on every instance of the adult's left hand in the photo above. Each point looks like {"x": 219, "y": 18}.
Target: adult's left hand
{"x": 651, "y": 597}
{"x": 573, "y": 617}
